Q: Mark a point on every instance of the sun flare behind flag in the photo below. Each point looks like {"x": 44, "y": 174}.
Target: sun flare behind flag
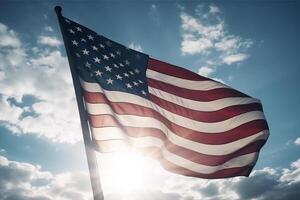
{"x": 193, "y": 125}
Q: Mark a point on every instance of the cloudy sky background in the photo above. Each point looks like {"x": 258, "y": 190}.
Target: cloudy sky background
{"x": 251, "y": 46}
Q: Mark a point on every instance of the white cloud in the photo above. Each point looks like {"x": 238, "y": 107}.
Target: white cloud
{"x": 205, "y": 71}
{"x": 227, "y": 44}
{"x": 154, "y": 14}
{"x": 48, "y": 28}
{"x": 8, "y": 38}
{"x": 263, "y": 184}
{"x": 206, "y": 35}
{"x": 214, "y": 9}
{"x": 292, "y": 175}
{"x": 234, "y": 58}
{"x": 297, "y": 141}
{"x": 136, "y": 47}
{"x": 50, "y": 41}
{"x": 2, "y": 151}
{"x": 195, "y": 46}
{"x": 198, "y": 37}
{"x": 45, "y": 76}
{"x": 26, "y": 181}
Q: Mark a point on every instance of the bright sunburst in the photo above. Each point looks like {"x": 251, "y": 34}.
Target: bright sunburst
{"x": 124, "y": 172}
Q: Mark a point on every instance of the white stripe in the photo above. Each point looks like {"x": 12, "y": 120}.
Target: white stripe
{"x": 147, "y": 141}
{"x": 90, "y": 87}
{"x": 202, "y": 105}
{"x": 225, "y": 125}
{"x": 184, "y": 83}
{"x": 215, "y": 105}
{"x": 241, "y": 161}
{"x": 220, "y": 149}
{"x": 108, "y": 133}
{"x": 216, "y": 127}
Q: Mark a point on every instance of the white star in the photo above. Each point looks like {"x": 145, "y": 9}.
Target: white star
{"x": 74, "y": 42}
{"x": 119, "y": 77}
{"x": 105, "y": 57}
{"x": 116, "y": 66}
{"x": 127, "y": 62}
{"x": 108, "y": 68}
{"x": 97, "y": 60}
{"x": 83, "y": 40}
{"x": 109, "y": 81}
{"x": 102, "y": 46}
{"x": 87, "y": 64}
{"x": 125, "y": 74}
{"x": 79, "y": 29}
{"x": 78, "y": 55}
{"x": 71, "y": 31}
{"x": 90, "y": 37}
{"x": 95, "y": 48}
{"x": 85, "y": 52}
{"x": 112, "y": 55}
{"x": 128, "y": 85}
{"x": 121, "y": 65}
{"x": 131, "y": 72}
{"x": 135, "y": 83}
{"x": 118, "y": 53}
{"x": 137, "y": 71}
{"x": 140, "y": 81}
{"x": 143, "y": 92}
{"x": 98, "y": 73}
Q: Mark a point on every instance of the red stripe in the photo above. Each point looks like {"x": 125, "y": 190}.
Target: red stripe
{"x": 209, "y": 95}
{"x": 155, "y": 153}
{"x": 191, "y": 155}
{"x": 203, "y": 116}
{"x": 242, "y": 131}
{"x": 206, "y": 116}
{"x": 224, "y": 173}
{"x": 173, "y": 70}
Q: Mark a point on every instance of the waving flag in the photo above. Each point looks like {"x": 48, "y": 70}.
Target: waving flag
{"x": 193, "y": 125}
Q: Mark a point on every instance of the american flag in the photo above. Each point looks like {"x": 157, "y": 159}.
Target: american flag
{"x": 193, "y": 125}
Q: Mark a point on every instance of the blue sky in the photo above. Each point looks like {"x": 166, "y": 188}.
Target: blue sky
{"x": 251, "y": 46}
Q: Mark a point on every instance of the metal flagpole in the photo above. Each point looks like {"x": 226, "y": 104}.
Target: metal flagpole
{"x": 90, "y": 154}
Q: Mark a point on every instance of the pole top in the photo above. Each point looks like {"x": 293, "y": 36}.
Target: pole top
{"x": 58, "y": 10}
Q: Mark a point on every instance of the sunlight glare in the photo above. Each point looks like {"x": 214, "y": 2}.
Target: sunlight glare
{"x": 124, "y": 172}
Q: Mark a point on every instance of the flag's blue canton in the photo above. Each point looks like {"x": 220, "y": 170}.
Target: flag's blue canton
{"x": 112, "y": 65}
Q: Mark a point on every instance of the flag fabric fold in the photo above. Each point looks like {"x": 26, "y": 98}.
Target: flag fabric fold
{"x": 193, "y": 125}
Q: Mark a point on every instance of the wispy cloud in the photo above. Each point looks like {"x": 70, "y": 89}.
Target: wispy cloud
{"x": 206, "y": 71}
{"x": 154, "y": 14}
{"x": 8, "y": 38}
{"x": 214, "y": 9}
{"x": 205, "y": 34}
{"x": 233, "y": 58}
{"x": 135, "y": 46}
{"x": 50, "y": 41}
{"x": 48, "y": 28}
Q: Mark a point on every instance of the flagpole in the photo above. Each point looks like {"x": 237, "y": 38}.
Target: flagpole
{"x": 90, "y": 154}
